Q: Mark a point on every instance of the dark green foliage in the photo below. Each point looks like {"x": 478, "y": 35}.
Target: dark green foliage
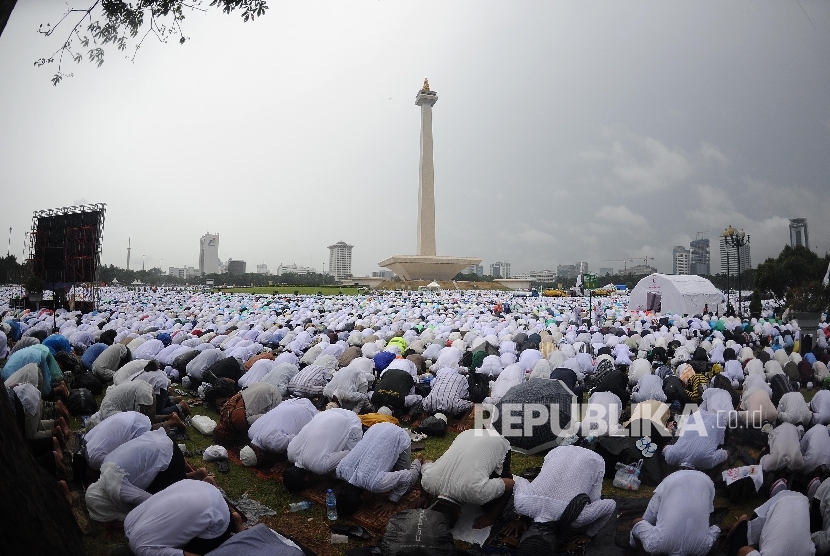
{"x": 156, "y": 277}
{"x": 795, "y": 275}
{"x": 116, "y": 22}
{"x": 472, "y": 278}
{"x": 10, "y": 270}
{"x": 34, "y": 285}
{"x": 755, "y": 306}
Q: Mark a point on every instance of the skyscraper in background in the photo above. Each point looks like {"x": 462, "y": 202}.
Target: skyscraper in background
{"x": 209, "y": 254}
{"x": 681, "y": 259}
{"x": 729, "y": 257}
{"x": 699, "y": 260}
{"x": 798, "y": 233}
{"x": 340, "y": 260}
{"x": 500, "y": 269}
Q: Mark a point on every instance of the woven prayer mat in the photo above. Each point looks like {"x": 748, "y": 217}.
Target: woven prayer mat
{"x": 274, "y": 473}
{"x": 374, "y": 512}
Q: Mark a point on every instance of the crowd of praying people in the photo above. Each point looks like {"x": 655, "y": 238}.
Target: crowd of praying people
{"x": 328, "y": 385}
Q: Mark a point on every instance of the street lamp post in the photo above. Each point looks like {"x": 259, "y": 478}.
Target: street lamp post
{"x": 736, "y": 239}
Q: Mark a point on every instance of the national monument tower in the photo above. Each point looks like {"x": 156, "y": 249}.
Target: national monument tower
{"x": 426, "y": 265}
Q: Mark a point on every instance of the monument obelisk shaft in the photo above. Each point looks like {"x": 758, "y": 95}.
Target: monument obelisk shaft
{"x": 426, "y": 99}
{"x": 426, "y": 264}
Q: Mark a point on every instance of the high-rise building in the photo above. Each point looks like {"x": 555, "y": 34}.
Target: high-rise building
{"x": 606, "y": 271}
{"x": 729, "y": 263}
{"x": 500, "y": 269}
{"x": 700, "y": 257}
{"x": 340, "y": 260}
{"x": 209, "y": 254}
{"x": 798, "y": 233}
{"x": 567, "y": 271}
{"x": 681, "y": 260}
{"x": 262, "y": 269}
{"x": 236, "y": 267}
{"x": 476, "y": 269}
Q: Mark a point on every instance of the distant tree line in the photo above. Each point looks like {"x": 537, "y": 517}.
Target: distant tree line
{"x": 10, "y": 270}
{"x": 795, "y": 277}
{"x": 472, "y": 277}
{"x": 157, "y": 277}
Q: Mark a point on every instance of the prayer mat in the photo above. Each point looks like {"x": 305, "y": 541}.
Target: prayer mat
{"x": 75, "y": 442}
{"x": 374, "y": 512}
{"x": 79, "y": 511}
{"x": 273, "y": 473}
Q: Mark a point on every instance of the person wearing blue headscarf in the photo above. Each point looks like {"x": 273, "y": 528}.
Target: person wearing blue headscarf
{"x": 382, "y": 360}
{"x": 57, "y": 343}
{"x": 92, "y": 353}
{"x": 16, "y": 331}
{"x": 40, "y": 356}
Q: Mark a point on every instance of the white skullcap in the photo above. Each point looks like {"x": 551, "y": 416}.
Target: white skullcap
{"x": 385, "y": 410}
{"x": 247, "y": 456}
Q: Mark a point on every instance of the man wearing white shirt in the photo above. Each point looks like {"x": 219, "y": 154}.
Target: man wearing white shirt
{"x": 545, "y": 499}
{"x": 699, "y": 444}
{"x": 782, "y": 526}
{"x": 475, "y": 469}
{"x": 271, "y": 433}
{"x": 676, "y": 521}
{"x": 324, "y": 441}
{"x": 380, "y": 462}
{"x": 132, "y": 472}
{"x": 112, "y": 433}
{"x": 820, "y": 405}
{"x": 187, "y": 518}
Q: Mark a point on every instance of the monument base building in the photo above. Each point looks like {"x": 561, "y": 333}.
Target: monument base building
{"x": 418, "y": 267}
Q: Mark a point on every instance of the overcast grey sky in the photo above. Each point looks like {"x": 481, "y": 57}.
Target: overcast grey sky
{"x": 564, "y": 131}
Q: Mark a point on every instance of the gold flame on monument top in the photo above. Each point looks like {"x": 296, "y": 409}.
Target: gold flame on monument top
{"x": 426, "y": 85}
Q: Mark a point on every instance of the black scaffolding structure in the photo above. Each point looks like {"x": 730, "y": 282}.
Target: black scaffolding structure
{"x": 65, "y": 252}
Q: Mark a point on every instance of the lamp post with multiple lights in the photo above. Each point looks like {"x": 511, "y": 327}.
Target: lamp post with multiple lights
{"x": 736, "y": 239}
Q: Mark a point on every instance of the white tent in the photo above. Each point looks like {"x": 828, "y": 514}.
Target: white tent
{"x": 682, "y": 294}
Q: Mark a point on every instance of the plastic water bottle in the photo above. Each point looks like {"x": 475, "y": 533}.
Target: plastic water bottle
{"x": 331, "y": 505}
{"x": 299, "y": 506}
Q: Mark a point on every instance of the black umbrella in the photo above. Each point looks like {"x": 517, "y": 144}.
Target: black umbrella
{"x": 527, "y": 401}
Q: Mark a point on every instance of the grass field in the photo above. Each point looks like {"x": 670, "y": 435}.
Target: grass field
{"x": 292, "y": 290}
{"x": 311, "y": 526}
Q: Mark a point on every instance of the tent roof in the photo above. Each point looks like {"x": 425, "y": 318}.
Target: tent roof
{"x": 680, "y": 293}
{"x": 434, "y": 285}
{"x": 686, "y": 283}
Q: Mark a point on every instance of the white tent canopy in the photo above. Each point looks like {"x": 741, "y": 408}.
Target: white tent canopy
{"x": 682, "y": 294}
